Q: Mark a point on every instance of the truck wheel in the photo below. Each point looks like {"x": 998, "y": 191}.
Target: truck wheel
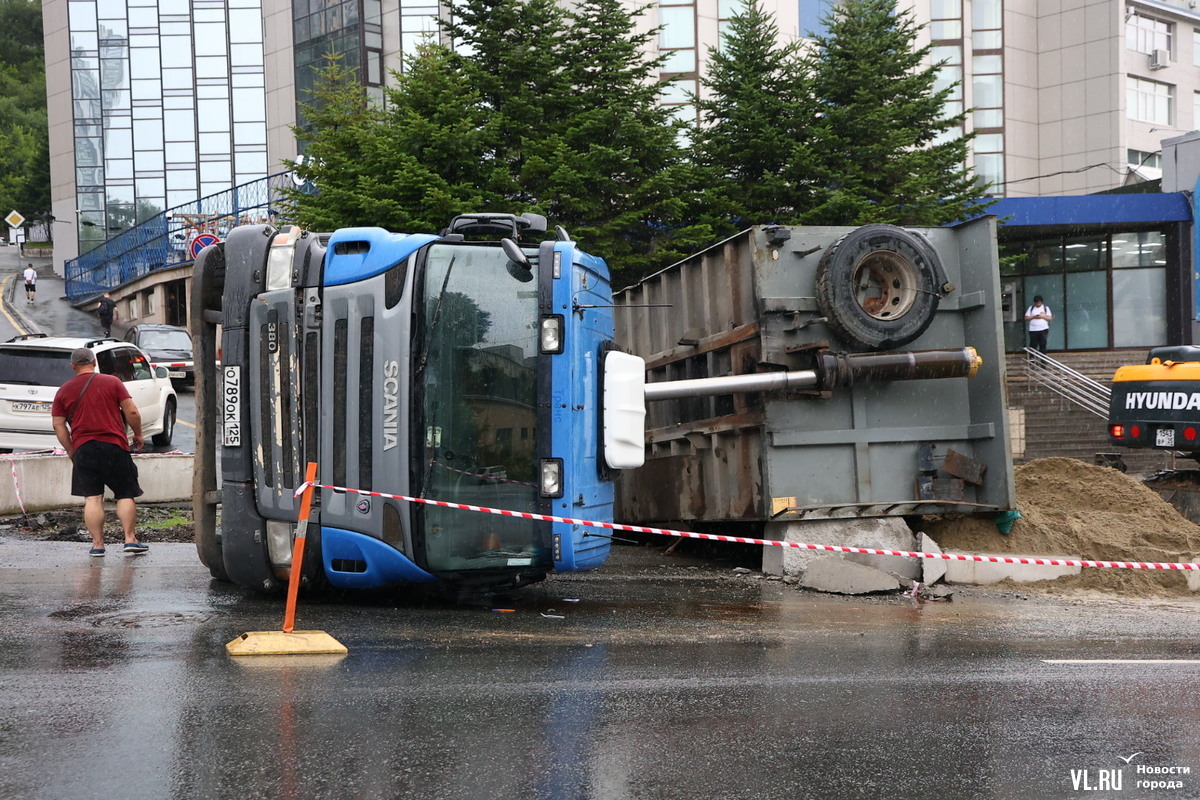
{"x": 878, "y": 286}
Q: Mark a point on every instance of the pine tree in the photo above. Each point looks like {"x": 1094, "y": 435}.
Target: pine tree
{"x": 882, "y": 147}
{"x": 411, "y": 167}
{"x": 751, "y": 128}
{"x": 509, "y": 51}
{"x": 536, "y": 109}
{"x": 617, "y": 174}
{"x": 24, "y": 142}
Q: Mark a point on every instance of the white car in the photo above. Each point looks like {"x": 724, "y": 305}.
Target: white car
{"x": 33, "y": 367}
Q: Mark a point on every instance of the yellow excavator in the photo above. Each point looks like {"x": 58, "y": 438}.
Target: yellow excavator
{"x": 1157, "y": 404}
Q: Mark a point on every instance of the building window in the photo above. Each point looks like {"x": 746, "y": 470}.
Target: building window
{"x": 1146, "y": 34}
{"x": 949, "y": 76}
{"x": 1140, "y": 158}
{"x": 677, "y": 38}
{"x": 987, "y": 83}
{"x": 987, "y": 23}
{"x": 1106, "y": 290}
{"x": 1149, "y": 101}
{"x": 989, "y": 160}
{"x": 945, "y": 20}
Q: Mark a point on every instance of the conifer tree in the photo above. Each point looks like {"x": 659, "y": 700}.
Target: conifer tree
{"x": 410, "y": 167}
{"x": 616, "y": 171}
{"x": 751, "y": 129}
{"x": 536, "y": 108}
{"x": 24, "y": 142}
{"x": 883, "y": 149}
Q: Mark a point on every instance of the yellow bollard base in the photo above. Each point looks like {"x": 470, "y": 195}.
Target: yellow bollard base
{"x": 278, "y": 643}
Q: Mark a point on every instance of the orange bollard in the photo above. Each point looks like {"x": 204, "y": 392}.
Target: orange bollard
{"x": 289, "y": 641}
{"x": 289, "y": 615}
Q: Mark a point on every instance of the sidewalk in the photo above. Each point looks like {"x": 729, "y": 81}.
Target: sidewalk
{"x": 50, "y": 314}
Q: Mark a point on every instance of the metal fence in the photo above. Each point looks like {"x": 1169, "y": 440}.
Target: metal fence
{"x": 165, "y": 240}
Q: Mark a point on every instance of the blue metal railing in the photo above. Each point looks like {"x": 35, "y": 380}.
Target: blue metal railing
{"x": 163, "y": 240}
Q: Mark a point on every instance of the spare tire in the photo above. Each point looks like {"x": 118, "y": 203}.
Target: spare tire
{"x": 879, "y": 286}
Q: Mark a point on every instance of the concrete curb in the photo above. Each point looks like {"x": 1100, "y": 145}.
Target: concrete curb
{"x": 44, "y": 481}
{"x": 983, "y": 572}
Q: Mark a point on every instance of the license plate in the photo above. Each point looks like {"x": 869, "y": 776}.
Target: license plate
{"x": 176, "y": 374}
{"x": 231, "y": 406}
{"x": 1164, "y": 437}
{"x": 31, "y": 407}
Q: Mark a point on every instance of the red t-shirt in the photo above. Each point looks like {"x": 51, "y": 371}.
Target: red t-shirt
{"x": 99, "y": 416}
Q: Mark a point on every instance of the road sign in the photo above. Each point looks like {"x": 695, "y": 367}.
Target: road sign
{"x": 202, "y": 241}
{"x": 14, "y": 219}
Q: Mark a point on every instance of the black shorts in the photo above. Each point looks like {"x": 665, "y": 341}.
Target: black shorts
{"x": 100, "y": 464}
{"x": 31, "y": 287}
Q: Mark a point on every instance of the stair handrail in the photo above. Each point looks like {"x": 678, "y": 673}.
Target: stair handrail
{"x": 1087, "y": 393}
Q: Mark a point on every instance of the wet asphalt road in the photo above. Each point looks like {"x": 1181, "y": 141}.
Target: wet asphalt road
{"x": 667, "y": 679}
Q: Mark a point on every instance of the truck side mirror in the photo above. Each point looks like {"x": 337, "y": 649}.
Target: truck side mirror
{"x": 624, "y": 416}
{"x": 518, "y": 263}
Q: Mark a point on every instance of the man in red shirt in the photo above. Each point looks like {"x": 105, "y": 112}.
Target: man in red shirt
{"x": 90, "y": 413}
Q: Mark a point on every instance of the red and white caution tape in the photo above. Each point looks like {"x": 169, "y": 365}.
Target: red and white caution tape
{"x": 17, "y": 485}
{"x": 616, "y": 526}
{"x": 12, "y": 464}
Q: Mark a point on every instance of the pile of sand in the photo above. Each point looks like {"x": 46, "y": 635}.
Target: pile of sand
{"x": 1069, "y": 507}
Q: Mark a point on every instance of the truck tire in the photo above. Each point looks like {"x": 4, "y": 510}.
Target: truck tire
{"x": 879, "y": 286}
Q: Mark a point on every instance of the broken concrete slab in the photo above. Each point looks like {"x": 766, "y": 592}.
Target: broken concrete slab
{"x": 933, "y": 569}
{"x": 884, "y": 533}
{"x": 832, "y": 573}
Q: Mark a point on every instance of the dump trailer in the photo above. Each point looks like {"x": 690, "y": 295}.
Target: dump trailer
{"x": 884, "y": 319}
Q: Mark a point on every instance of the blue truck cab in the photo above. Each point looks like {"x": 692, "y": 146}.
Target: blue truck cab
{"x": 465, "y": 367}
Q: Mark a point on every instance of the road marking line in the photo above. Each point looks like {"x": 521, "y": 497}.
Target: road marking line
{"x": 184, "y": 422}
{"x": 4, "y": 289}
{"x": 1120, "y": 661}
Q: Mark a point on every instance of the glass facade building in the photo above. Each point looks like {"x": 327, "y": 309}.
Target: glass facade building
{"x": 167, "y": 104}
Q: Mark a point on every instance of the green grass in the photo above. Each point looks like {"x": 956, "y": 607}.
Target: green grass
{"x": 173, "y": 521}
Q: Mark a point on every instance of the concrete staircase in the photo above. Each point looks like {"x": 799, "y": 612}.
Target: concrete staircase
{"x": 1055, "y": 426}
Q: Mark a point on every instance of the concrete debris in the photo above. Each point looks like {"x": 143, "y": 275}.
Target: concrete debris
{"x": 934, "y": 569}
{"x": 741, "y": 571}
{"x": 837, "y": 575}
{"x": 886, "y": 533}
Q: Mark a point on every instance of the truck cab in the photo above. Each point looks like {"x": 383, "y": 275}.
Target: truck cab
{"x": 464, "y": 367}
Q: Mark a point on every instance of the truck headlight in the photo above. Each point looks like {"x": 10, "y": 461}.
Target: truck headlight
{"x": 279, "y": 542}
{"x": 552, "y": 485}
{"x": 279, "y": 259}
{"x": 552, "y": 334}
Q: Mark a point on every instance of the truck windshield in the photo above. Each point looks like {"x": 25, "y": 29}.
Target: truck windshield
{"x": 476, "y": 368}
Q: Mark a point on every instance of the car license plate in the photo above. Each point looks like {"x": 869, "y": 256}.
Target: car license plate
{"x": 31, "y": 407}
{"x": 1164, "y": 437}
{"x": 176, "y": 374}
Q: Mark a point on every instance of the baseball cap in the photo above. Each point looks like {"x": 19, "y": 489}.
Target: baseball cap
{"x": 82, "y": 355}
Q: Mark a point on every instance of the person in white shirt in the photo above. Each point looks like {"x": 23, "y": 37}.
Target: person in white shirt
{"x": 30, "y": 282}
{"x": 1038, "y": 316}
